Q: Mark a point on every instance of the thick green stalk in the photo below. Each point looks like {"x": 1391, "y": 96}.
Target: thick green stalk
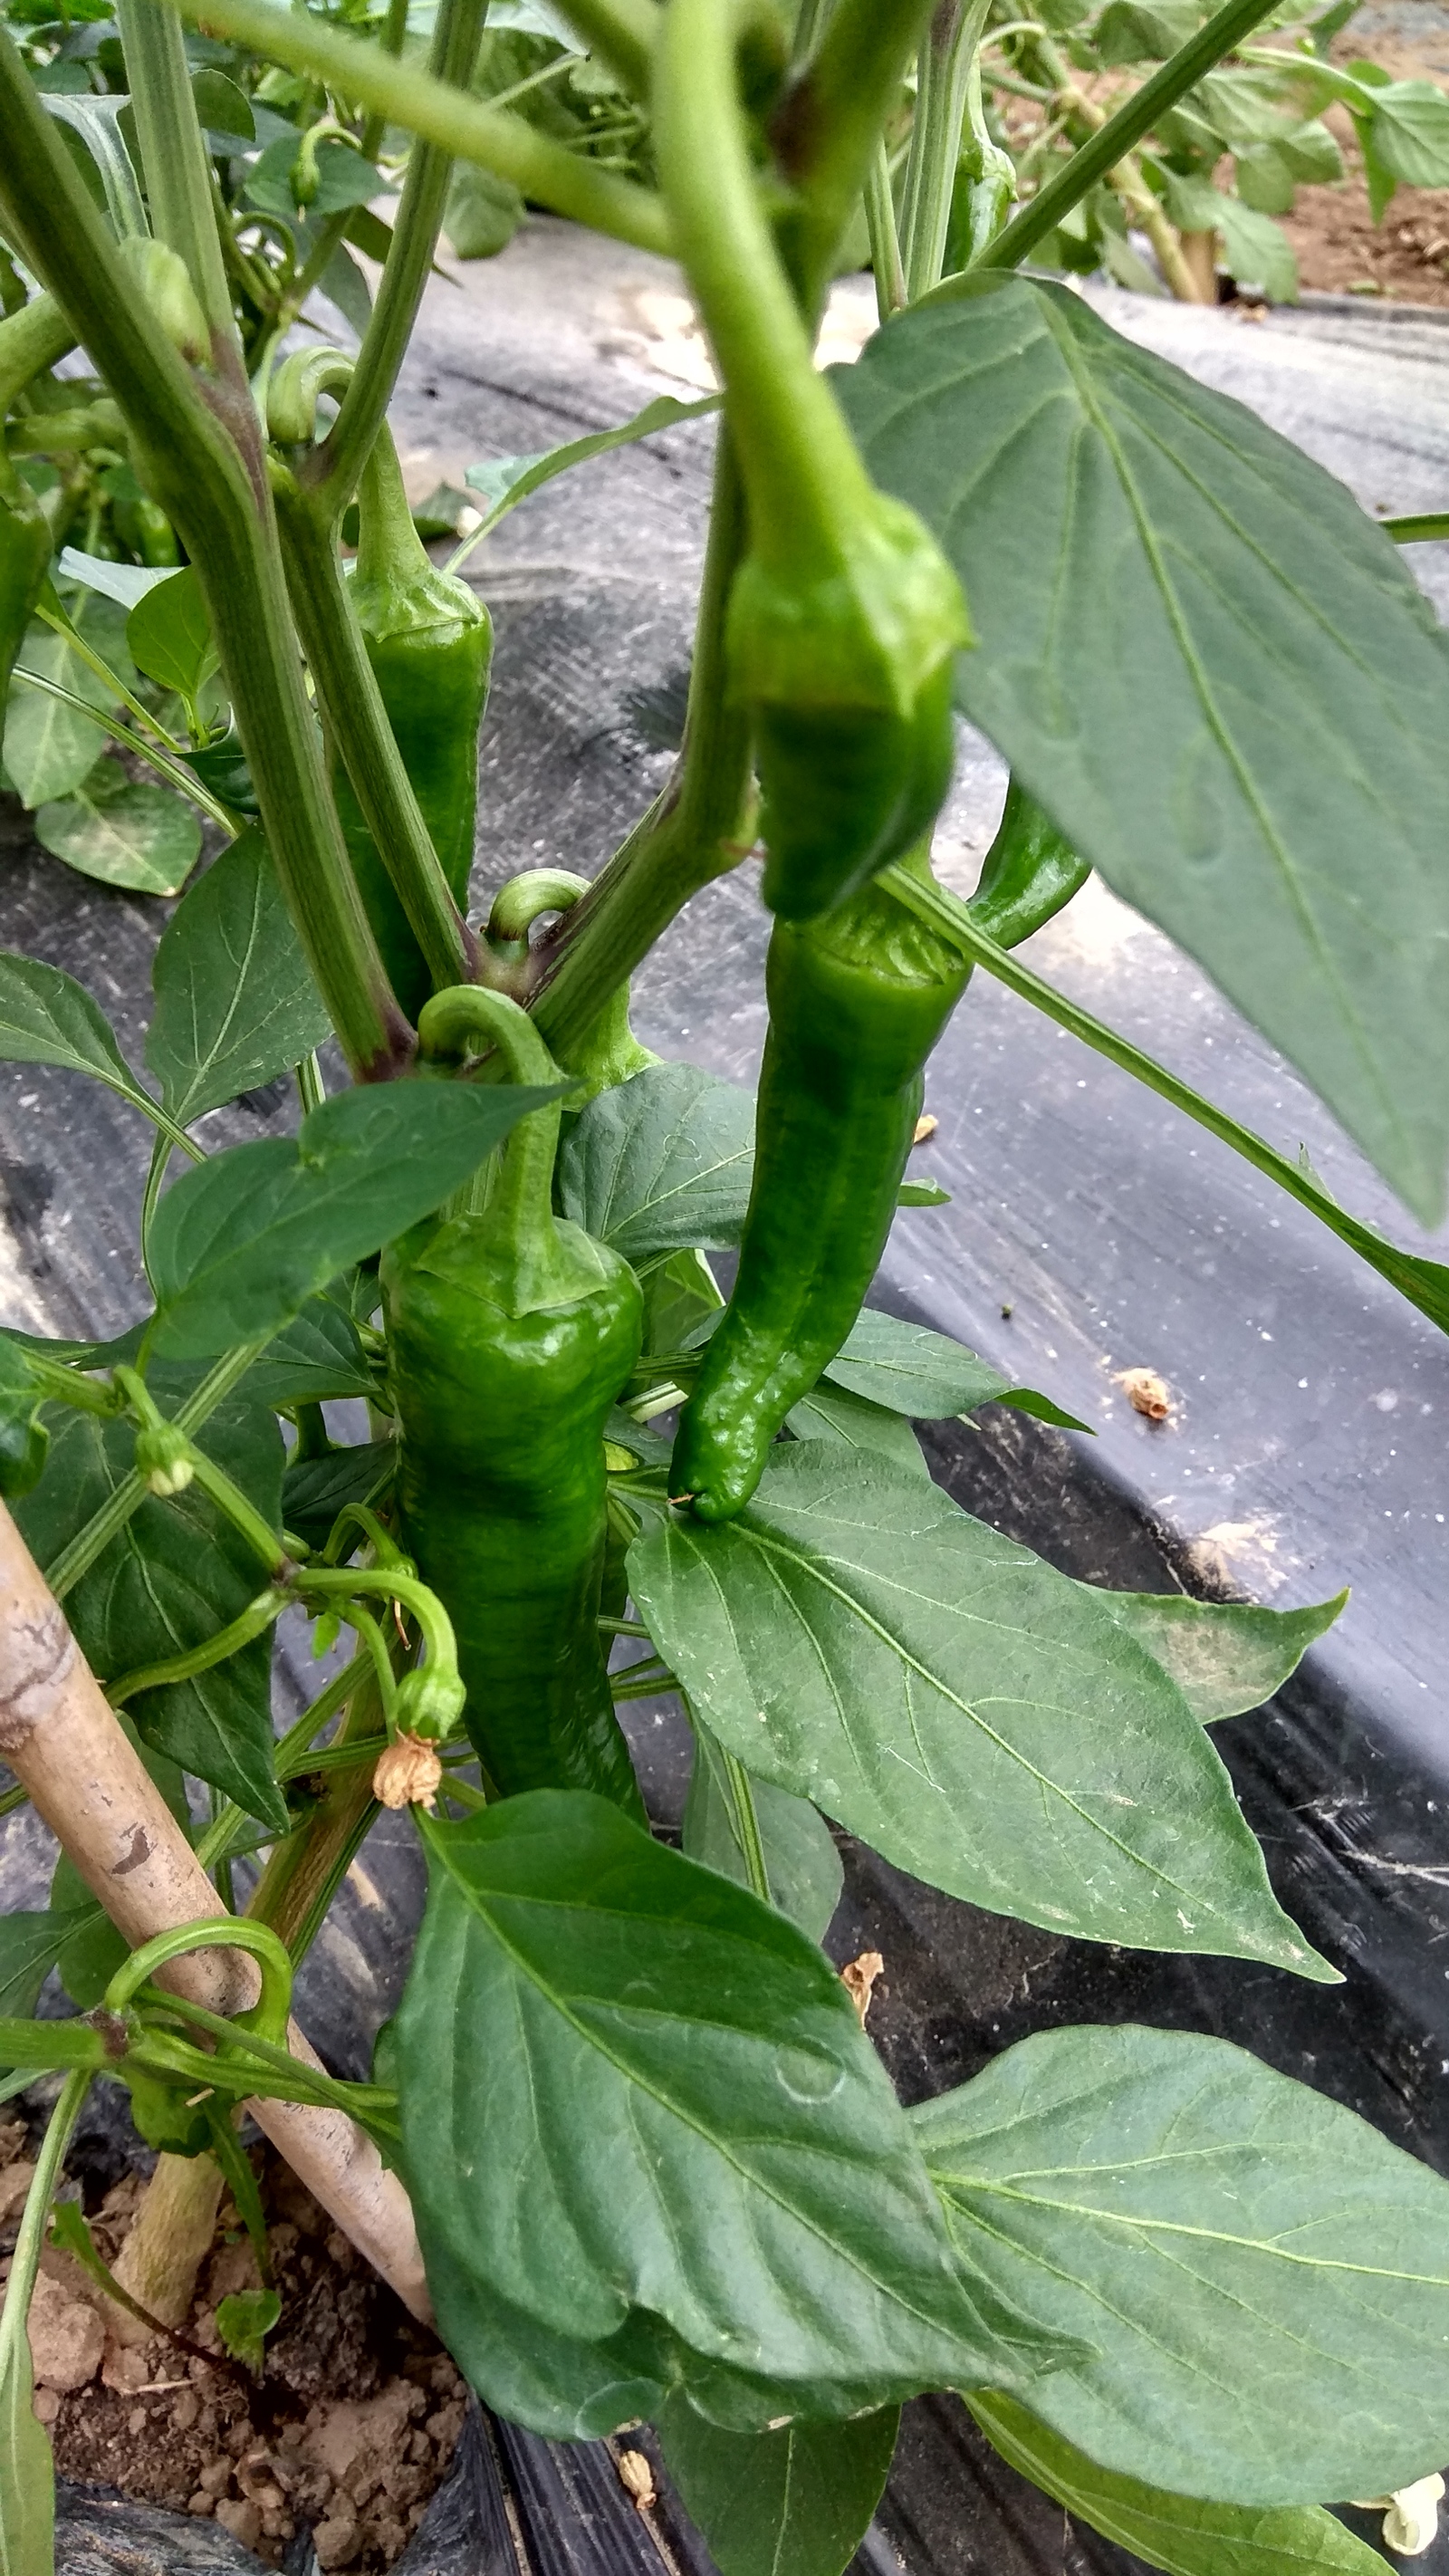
{"x": 543, "y": 170}
{"x": 688, "y": 837}
{"x": 807, "y": 486}
{"x": 331, "y": 472}
{"x": 885, "y": 247}
{"x": 91, "y": 1542}
{"x": 946, "y": 58}
{"x": 1136, "y": 117}
{"x": 174, "y": 161}
{"x": 829, "y": 123}
{"x": 352, "y": 708}
{"x": 1423, "y": 1282}
{"x": 30, "y": 341}
{"x": 623, "y": 34}
{"x": 199, "y": 474}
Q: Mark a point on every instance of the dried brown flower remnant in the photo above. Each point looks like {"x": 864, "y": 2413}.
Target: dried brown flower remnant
{"x": 408, "y": 1774}
{"x": 1146, "y": 1392}
{"x": 636, "y": 2478}
{"x": 858, "y": 1977}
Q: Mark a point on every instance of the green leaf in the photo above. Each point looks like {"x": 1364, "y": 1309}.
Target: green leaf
{"x": 176, "y": 1573}
{"x": 235, "y": 1000}
{"x": 318, "y": 1357}
{"x": 244, "y": 2319}
{"x": 912, "y": 1370}
{"x": 49, "y": 747}
{"x": 96, "y": 122}
{"x": 30, "y": 1945}
{"x": 1225, "y": 1656}
{"x": 922, "y": 1194}
{"x": 801, "y": 1861}
{"x": 343, "y": 281}
{"x": 1135, "y": 31}
{"x": 1167, "y": 591}
{"x": 1244, "y": 107}
{"x": 46, "y": 1017}
{"x": 1409, "y": 132}
{"x": 240, "y": 1243}
{"x": 221, "y": 108}
{"x": 483, "y": 214}
{"x": 1255, "y": 251}
{"x": 131, "y": 834}
{"x": 971, "y": 1713}
{"x": 661, "y": 1163}
{"x": 169, "y": 635}
{"x": 1187, "y": 2537}
{"x": 125, "y": 583}
{"x": 27, "y": 2469}
{"x": 89, "y": 1949}
{"x": 316, "y": 1489}
{"x": 344, "y": 180}
{"x": 800, "y": 2499}
{"x": 679, "y": 1292}
{"x": 24, "y": 1439}
{"x": 504, "y": 481}
{"x": 849, "y": 1422}
{"x": 1262, "y": 2279}
{"x": 635, "y": 2096}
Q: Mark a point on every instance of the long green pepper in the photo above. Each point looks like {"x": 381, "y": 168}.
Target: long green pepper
{"x": 511, "y": 1333}
{"x": 429, "y": 639}
{"x": 857, "y": 1002}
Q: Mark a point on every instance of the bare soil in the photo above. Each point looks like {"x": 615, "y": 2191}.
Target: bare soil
{"x": 1341, "y": 251}
{"x": 349, "y": 2430}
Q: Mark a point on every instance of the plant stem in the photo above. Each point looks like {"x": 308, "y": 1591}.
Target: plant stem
{"x": 1126, "y": 181}
{"x": 200, "y": 457}
{"x": 885, "y": 248}
{"x": 352, "y": 708}
{"x": 746, "y": 1823}
{"x": 298, "y": 1884}
{"x": 688, "y": 837}
{"x": 64, "y": 626}
{"x": 805, "y": 479}
{"x": 92, "y": 1541}
{"x": 945, "y": 68}
{"x": 1424, "y": 1283}
{"x": 30, "y": 341}
{"x": 171, "y": 2237}
{"x": 330, "y": 474}
{"x": 1136, "y": 117}
{"x": 394, "y": 37}
{"x": 828, "y": 124}
{"x": 16, "y": 2372}
{"x": 623, "y": 34}
{"x": 174, "y": 159}
{"x": 353, "y": 69}
{"x": 253, "y": 1622}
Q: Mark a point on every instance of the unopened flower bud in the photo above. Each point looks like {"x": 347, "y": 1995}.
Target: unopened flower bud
{"x": 163, "y": 1457}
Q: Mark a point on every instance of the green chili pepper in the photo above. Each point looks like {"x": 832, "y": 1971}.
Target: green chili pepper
{"x": 848, "y": 677}
{"x": 430, "y": 642}
{"x": 607, "y": 1051}
{"x": 857, "y": 1002}
{"x": 1028, "y": 873}
{"x": 511, "y": 1334}
{"x": 25, "y": 542}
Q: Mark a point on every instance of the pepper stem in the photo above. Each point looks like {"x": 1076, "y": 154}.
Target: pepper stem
{"x": 389, "y": 549}
{"x": 473, "y": 1020}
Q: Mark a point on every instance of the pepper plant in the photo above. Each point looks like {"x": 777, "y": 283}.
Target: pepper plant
{"x": 656, "y": 2168}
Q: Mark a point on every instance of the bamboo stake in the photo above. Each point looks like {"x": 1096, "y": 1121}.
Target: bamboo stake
{"x": 84, "y": 1780}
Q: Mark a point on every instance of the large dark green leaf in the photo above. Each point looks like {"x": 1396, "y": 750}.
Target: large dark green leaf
{"x": 801, "y": 1861}
{"x": 635, "y": 2096}
{"x": 1225, "y": 1656}
{"x": 1180, "y": 2533}
{"x": 235, "y": 1000}
{"x": 127, "y": 832}
{"x": 30, "y": 1945}
{"x": 849, "y": 1422}
{"x": 912, "y": 1370}
{"x": 317, "y": 1489}
{"x": 176, "y": 1573}
{"x": 973, "y": 1714}
{"x": 793, "y": 2503}
{"x": 240, "y": 1244}
{"x": 46, "y": 1017}
{"x": 1212, "y": 670}
{"x": 661, "y": 1163}
{"x": 318, "y": 1356}
{"x": 1262, "y": 2278}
